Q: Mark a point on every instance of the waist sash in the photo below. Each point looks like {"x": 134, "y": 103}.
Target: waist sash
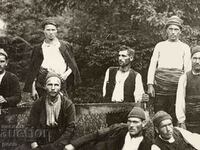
{"x": 166, "y": 80}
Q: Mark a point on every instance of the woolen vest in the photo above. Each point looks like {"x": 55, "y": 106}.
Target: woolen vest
{"x": 192, "y": 102}
{"x": 129, "y": 84}
{"x": 193, "y": 84}
{"x": 178, "y": 144}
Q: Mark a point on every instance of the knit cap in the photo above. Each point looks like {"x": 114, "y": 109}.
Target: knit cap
{"x": 49, "y": 21}
{"x": 137, "y": 112}
{"x": 52, "y": 74}
{"x": 195, "y": 50}
{"x": 2, "y": 52}
{"x": 160, "y": 116}
{"x": 174, "y": 20}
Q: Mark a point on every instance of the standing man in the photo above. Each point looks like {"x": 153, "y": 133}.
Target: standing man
{"x": 53, "y": 113}
{"x": 52, "y": 55}
{"x": 130, "y": 136}
{"x": 172, "y": 138}
{"x": 10, "y": 94}
{"x": 170, "y": 59}
{"x": 123, "y": 84}
{"x": 188, "y": 95}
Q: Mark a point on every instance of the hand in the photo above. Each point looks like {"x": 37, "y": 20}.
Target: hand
{"x": 2, "y": 99}
{"x": 34, "y": 145}
{"x": 34, "y": 94}
{"x": 145, "y": 97}
{"x": 151, "y": 90}
{"x": 182, "y": 125}
{"x": 69, "y": 147}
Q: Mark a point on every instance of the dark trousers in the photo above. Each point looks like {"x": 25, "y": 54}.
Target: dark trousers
{"x": 167, "y": 104}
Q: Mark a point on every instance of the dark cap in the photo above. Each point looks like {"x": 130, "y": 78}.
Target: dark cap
{"x": 52, "y": 74}
{"x": 174, "y": 20}
{"x": 137, "y": 112}
{"x": 195, "y": 50}
{"x": 160, "y": 116}
{"x": 49, "y": 21}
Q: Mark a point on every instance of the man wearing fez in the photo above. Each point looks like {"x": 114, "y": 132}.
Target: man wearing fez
{"x": 170, "y": 59}
{"x": 123, "y": 84}
{"x": 130, "y": 136}
{"x": 10, "y": 94}
{"x": 53, "y": 55}
{"x": 172, "y": 138}
{"x": 188, "y": 95}
{"x": 53, "y": 113}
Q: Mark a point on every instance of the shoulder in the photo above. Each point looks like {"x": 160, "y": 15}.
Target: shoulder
{"x": 160, "y": 44}
{"x": 66, "y": 101}
{"x": 65, "y": 43}
{"x": 11, "y": 75}
{"x": 134, "y": 72}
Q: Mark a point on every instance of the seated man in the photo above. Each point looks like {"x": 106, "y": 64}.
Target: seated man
{"x": 55, "y": 114}
{"x": 128, "y": 136}
{"x": 10, "y": 94}
{"x": 172, "y": 138}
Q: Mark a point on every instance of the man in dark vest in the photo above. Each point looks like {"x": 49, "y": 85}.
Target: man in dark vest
{"x": 130, "y": 136}
{"x": 123, "y": 84}
{"x": 188, "y": 95}
{"x": 172, "y": 138}
{"x": 52, "y": 55}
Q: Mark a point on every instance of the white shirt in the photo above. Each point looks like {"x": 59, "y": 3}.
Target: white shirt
{"x": 53, "y": 59}
{"x": 132, "y": 143}
{"x": 169, "y": 55}
{"x": 1, "y": 76}
{"x": 180, "y": 99}
{"x": 118, "y": 92}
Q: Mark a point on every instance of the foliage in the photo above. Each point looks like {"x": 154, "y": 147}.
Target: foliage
{"x": 97, "y": 28}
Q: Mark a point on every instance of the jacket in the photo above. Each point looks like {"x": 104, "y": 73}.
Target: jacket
{"x": 37, "y": 59}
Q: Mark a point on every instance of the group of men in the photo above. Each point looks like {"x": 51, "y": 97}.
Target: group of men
{"x": 173, "y": 78}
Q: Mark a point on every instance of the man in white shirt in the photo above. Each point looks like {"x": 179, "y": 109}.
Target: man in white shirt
{"x": 52, "y": 55}
{"x": 188, "y": 95}
{"x": 123, "y": 84}
{"x": 172, "y": 138}
{"x": 170, "y": 59}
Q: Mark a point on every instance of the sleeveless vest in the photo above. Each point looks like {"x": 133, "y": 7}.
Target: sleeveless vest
{"x": 192, "y": 102}
{"x": 129, "y": 84}
{"x": 178, "y": 144}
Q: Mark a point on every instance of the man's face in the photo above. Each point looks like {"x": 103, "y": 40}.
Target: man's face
{"x": 53, "y": 86}
{"x": 50, "y": 32}
{"x": 3, "y": 63}
{"x": 135, "y": 126}
{"x": 124, "y": 59}
{"x": 196, "y": 62}
{"x": 165, "y": 129}
{"x": 173, "y": 32}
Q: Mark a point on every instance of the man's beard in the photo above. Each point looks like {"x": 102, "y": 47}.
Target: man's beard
{"x": 196, "y": 68}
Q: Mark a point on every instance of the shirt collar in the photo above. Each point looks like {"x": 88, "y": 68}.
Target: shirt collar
{"x": 55, "y": 101}
{"x": 54, "y": 43}
{"x": 171, "y": 140}
{"x": 196, "y": 74}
